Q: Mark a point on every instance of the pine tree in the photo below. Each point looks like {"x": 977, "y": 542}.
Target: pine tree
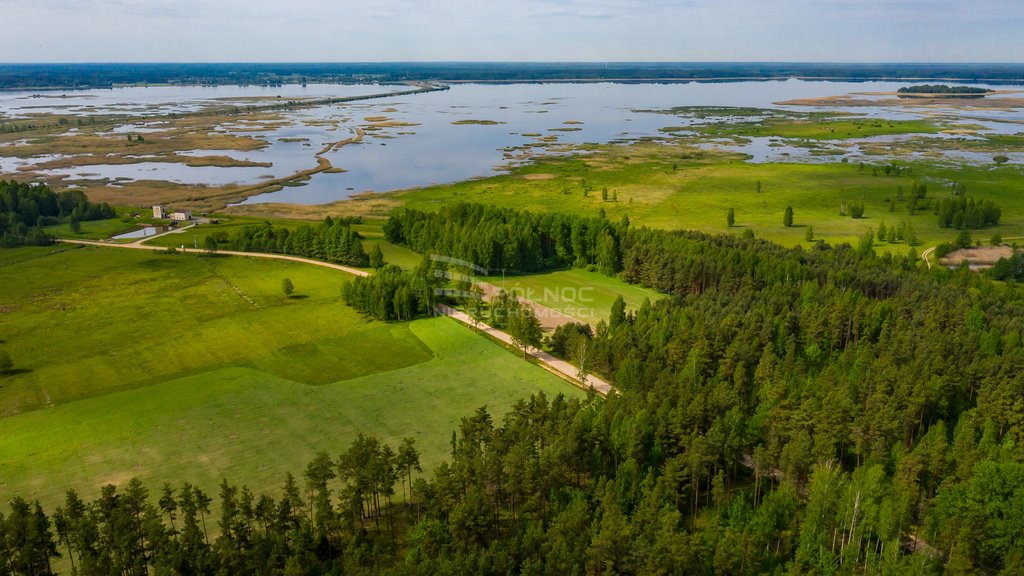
{"x": 376, "y": 257}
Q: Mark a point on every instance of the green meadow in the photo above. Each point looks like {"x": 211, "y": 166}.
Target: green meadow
{"x": 372, "y": 232}
{"x": 586, "y": 296}
{"x": 675, "y": 186}
{"x": 832, "y": 129}
{"x": 228, "y": 225}
{"x": 140, "y": 364}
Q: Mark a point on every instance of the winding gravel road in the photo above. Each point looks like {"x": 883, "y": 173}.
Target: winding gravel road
{"x": 551, "y": 363}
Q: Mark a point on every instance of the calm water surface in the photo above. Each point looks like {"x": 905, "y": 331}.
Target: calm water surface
{"x": 428, "y": 148}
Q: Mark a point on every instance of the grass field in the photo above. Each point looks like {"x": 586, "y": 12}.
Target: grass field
{"x": 83, "y": 322}
{"x": 586, "y": 296}
{"x": 229, "y": 225}
{"x": 676, "y": 186}
{"x": 169, "y": 374}
{"x": 835, "y": 129}
{"x": 372, "y": 232}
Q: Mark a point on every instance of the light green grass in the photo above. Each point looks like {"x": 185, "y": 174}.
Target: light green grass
{"x": 586, "y": 296}
{"x": 135, "y": 363}
{"x": 95, "y": 229}
{"x": 822, "y": 129}
{"x": 196, "y": 235}
{"x": 102, "y": 229}
{"x": 252, "y": 427}
{"x": 83, "y": 322}
{"x": 674, "y": 186}
{"x": 372, "y": 232}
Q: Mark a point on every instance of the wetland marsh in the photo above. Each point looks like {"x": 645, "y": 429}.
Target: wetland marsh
{"x": 212, "y": 147}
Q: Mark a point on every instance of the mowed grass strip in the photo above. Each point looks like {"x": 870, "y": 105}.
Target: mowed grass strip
{"x": 252, "y": 427}
{"x": 88, "y": 321}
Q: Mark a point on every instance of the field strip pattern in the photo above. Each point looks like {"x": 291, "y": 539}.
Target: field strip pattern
{"x": 551, "y": 363}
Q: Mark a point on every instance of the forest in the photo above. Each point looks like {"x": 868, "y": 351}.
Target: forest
{"x": 970, "y": 91}
{"x": 105, "y": 75}
{"x": 26, "y": 208}
{"x": 784, "y": 410}
{"x": 333, "y": 240}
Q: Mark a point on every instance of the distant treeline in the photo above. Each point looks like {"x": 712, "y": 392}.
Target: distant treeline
{"x": 26, "y": 208}
{"x": 944, "y": 89}
{"x": 333, "y": 240}
{"x": 16, "y": 76}
{"x": 497, "y": 238}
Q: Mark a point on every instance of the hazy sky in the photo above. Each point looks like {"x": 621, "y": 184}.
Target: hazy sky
{"x": 530, "y": 30}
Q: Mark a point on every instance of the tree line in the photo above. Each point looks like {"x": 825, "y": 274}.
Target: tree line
{"x": 26, "y": 208}
{"x": 333, "y": 240}
{"x": 783, "y": 410}
{"x": 944, "y": 89}
{"x": 962, "y": 212}
{"x": 501, "y": 238}
{"x": 340, "y": 516}
{"x": 394, "y": 294}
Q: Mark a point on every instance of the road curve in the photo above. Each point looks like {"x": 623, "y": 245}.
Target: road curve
{"x": 560, "y": 367}
{"x": 926, "y": 254}
{"x": 140, "y": 246}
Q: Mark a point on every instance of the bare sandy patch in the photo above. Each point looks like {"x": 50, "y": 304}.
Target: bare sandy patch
{"x": 978, "y": 256}
{"x": 539, "y": 176}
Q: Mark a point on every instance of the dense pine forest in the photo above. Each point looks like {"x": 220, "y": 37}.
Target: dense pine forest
{"x": 784, "y": 411}
{"x": 26, "y": 208}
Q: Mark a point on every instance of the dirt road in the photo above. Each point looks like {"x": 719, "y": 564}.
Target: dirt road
{"x": 555, "y": 365}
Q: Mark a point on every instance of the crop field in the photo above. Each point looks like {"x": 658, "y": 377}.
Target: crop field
{"x": 199, "y": 368}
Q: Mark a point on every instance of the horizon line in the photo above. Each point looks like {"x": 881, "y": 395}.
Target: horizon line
{"x": 520, "y": 62}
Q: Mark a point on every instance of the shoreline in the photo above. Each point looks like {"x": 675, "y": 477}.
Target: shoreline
{"x": 569, "y": 80}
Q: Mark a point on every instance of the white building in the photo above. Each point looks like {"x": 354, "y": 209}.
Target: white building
{"x": 181, "y": 215}
{"x": 159, "y": 212}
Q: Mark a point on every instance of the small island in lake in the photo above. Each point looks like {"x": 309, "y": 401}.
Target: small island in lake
{"x": 925, "y": 90}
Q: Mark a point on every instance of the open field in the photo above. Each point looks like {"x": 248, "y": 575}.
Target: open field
{"x": 97, "y": 229}
{"x": 586, "y": 296}
{"x": 171, "y": 373}
{"x": 676, "y": 186}
{"x": 86, "y": 322}
{"x": 371, "y": 231}
{"x": 230, "y": 225}
{"x": 252, "y": 426}
{"x": 373, "y": 235}
{"x": 822, "y": 129}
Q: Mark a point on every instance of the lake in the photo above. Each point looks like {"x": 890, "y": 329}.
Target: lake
{"x": 468, "y": 131}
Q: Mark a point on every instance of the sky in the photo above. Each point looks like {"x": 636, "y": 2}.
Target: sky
{"x": 512, "y": 30}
